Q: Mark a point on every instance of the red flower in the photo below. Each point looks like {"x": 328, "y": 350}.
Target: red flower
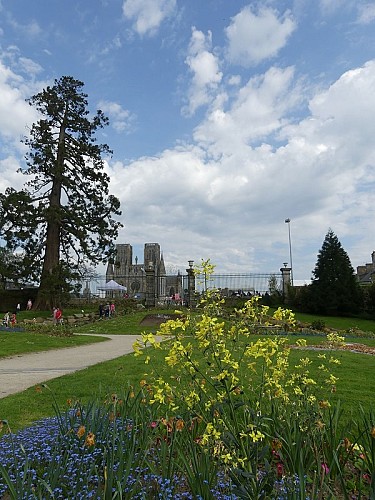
{"x": 325, "y": 468}
{"x": 280, "y": 469}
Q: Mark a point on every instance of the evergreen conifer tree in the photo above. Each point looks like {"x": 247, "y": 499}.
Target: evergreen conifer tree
{"x": 334, "y": 288}
{"x": 62, "y": 217}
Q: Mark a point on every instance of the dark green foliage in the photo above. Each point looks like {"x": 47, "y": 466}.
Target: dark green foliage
{"x": 10, "y": 267}
{"x": 63, "y": 215}
{"x": 368, "y": 294}
{"x": 334, "y": 289}
{"x": 318, "y": 324}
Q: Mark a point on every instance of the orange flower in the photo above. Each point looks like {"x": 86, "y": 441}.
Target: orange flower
{"x": 81, "y": 431}
{"x": 142, "y": 383}
{"x": 276, "y": 444}
{"x": 180, "y": 424}
{"x": 78, "y": 413}
{"x": 347, "y": 443}
{"x": 69, "y": 402}
{"x": 111, "y": 416}
{"x": 90, "y": 439}
{"x": 324, "y": 404}
{"x": 38, "y": 389}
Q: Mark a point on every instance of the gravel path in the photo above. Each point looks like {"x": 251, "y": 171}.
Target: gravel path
{"x": 20, "y": 372}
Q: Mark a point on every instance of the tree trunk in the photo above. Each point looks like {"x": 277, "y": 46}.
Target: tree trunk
{"x": 48, "y": 296}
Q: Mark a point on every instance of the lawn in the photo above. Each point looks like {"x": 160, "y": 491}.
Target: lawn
{"x": 12, "y": 343}
{"x": 243, "y": 410}
{"x": 341, "y": 323}
{"x": 114, "y": 376}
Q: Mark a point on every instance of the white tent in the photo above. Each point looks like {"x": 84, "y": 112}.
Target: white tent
{"x": 112, "y": 286}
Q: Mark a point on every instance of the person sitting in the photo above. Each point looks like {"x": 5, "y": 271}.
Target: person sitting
{"x": 6, "y": 320}
{"x": 13, "y": 320}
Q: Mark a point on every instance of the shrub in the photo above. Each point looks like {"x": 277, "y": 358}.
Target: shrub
{"x": 318, "y": 324}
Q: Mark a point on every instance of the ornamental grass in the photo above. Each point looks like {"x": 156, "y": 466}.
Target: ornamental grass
{"x": 228, "y": 416}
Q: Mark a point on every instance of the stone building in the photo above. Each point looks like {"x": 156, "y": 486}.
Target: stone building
{"x": 366, "y": 273}
{"x": 132, "y": 274}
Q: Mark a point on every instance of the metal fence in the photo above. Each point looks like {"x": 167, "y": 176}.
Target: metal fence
{"x": 228, "y": 284}
{"x": 240, "y": 284}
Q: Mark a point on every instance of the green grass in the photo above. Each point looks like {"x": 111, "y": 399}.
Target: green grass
{"x": 340, "y": 323}
{"x": 12, "y": 343}
{"x": 103, "y": 379}
{"x": 128, "y": 324}
{"x": 21, "y": 409}
{"x": 354, "y": 386}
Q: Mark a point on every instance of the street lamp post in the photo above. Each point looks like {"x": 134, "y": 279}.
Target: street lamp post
{"x": 191, "y": 284}
{"x": 287, "y": 221}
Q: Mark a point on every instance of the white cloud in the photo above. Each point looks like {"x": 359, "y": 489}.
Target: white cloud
{"x": 121, "y": 119}
{"x": 204, "y": 66}
{"x": 31, "y": 29}
{"x": 15, "y": 113}
{"x": 366, "y": 13}
{"x": 329, "y": 7}
{"x": 256, "y": 36}
{"x": 29, "y": 66}
{"x": 257, "y": 111}
{"x": 9, "y": 175}
{"x": 229, "y": 195}
{"x": 148, "y": 15}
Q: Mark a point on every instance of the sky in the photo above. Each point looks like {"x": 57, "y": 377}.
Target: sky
{"x": 227, "y": 117}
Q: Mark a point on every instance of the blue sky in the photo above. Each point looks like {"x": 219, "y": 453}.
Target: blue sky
{"x": 226, "y": 118}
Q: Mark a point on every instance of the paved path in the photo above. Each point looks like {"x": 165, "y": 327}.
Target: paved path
{"x": 22, "y": 371}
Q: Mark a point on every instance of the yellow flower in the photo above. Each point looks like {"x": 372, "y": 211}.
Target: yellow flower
{"x": 226, "y": 458}
{"x": 180, "y": 424}
{"x": 324, "y": 404}
{"x": 90, "y": 439}
{"x": 256, "y": 436}
{"x": 373, "y": 432}
{"x": 81, "y": 431}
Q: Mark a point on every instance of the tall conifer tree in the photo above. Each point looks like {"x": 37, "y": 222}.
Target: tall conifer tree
{"x": 334, "y": 288}
{"x": 63, "y": 216}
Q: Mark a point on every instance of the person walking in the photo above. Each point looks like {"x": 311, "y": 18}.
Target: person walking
{"x": 101, "y": 311}
{"x": 112, "y": 309}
